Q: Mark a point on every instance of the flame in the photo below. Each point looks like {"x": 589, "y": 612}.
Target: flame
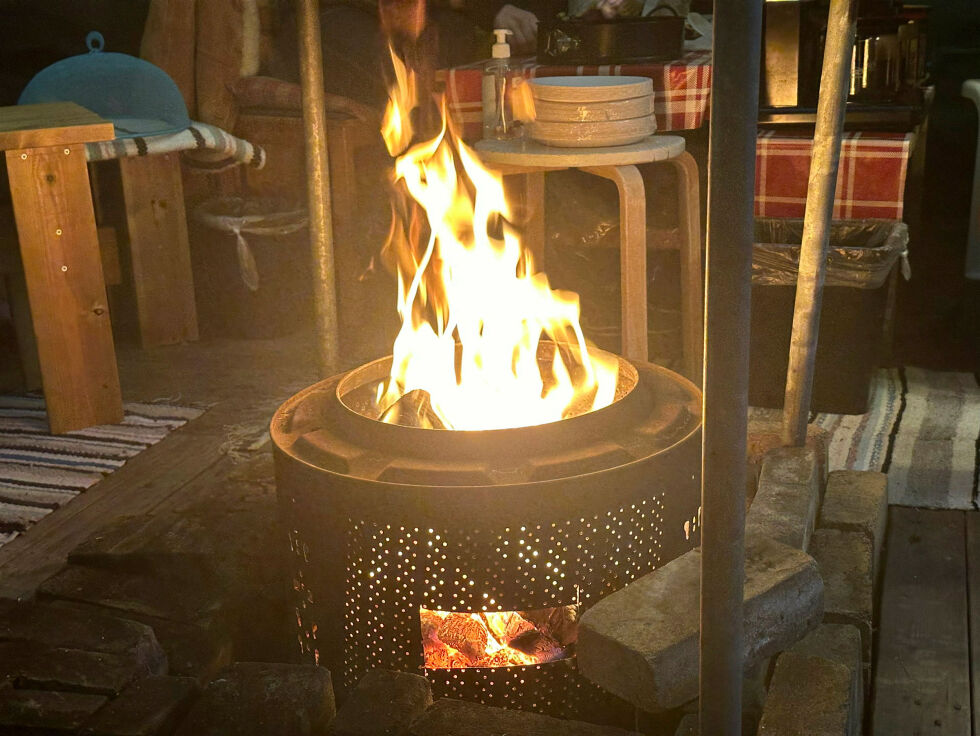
{"x": 476, "y": 316}
{"x": 457, "y": 640}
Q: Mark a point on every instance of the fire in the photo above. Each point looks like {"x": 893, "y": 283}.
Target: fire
{"x": 478, "y": 322}
{"x": 497, "y": 638}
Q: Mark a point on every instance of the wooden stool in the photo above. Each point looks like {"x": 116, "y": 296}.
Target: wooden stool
{"x": 618, "y": 163}
{"x": 59, "y": 248}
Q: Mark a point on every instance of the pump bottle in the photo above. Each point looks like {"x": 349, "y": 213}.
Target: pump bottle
{"x": 500, "y": 79}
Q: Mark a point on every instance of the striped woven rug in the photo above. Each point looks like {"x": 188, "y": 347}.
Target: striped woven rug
{"x": 922, "y": 429}
{"x": 40, "y": 472}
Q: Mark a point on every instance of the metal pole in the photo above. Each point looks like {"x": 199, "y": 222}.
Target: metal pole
{"x": 816, "y": 219}
{"x": 318, "y": 185}
{"x": 731, "y": 183}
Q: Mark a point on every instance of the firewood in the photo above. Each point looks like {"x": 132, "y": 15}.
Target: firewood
{"x": 413, "y": 409}
{"x": 466, "y": 635}
{"x": 430, "y": 621}
{"x": 535, "y": 644}
{"x": 506, "y": 625}
{"x": 561, "y": 623}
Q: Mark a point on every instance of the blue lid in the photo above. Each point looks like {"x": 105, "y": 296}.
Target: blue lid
{"x": 139, "y": 98}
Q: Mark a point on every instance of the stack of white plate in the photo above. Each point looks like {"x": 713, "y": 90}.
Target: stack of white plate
{"x": 586, "y": 112}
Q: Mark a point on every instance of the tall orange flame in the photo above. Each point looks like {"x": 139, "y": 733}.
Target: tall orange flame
{"x": 474, "y": 311}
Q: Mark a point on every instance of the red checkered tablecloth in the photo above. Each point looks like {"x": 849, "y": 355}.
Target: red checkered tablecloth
{"x": 680, "y": 89}
{"x": 870, "y": 180}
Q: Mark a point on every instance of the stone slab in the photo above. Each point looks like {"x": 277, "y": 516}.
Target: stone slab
{"x": 384, "y": 703}
{"x": 176, "y": 599}
{"x": 45, "y": 711}
{"x": 857, "y": 501}
{"x": 91, "y": 630}
{"x": 192, "y": 650}
{"x": 150, "y": 707}
{"x": 788, "y": 496}
{"x": 35, "y": 666}
{"x": 845, "y": 561}
{"x": 841, "y": 644}
{"x": 765, "y": 434}
{"x": 458, "y": 718}
{"x": 641, "y": 643}
{"x": 261, "y": 699}
{"x": 808, "y": 696}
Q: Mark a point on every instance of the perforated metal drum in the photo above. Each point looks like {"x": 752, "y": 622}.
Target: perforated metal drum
{"x": 389, "y": 521}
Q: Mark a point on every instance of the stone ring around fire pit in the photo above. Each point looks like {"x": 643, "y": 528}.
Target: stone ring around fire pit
{"x": 467, "y": 555}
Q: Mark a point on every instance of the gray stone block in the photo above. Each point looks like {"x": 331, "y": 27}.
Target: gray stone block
{"x": 841, "y": 644}
{"x": 90, "y": 630}
{"x": 151, "y": 707}
{"x": 35, "y": 666}
{"x": 260, "y": 699}
{"x": 457, "y": 718}
{"x": 641, "y": 643}
{"x": 44, "y": 711}
{"x": 808, "y": 696}
{"x": 857, "y": 501}
{"x": 192, "y": 650}
{"x": 766, "y": 434}
{"x": 788, "y": 496}
{"x": 845, "y": 561}
{"x": 384, "y": 703}
{"x": 174, "y": 598}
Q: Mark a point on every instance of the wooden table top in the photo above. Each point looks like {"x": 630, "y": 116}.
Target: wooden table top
{"x": 51, "y": 124}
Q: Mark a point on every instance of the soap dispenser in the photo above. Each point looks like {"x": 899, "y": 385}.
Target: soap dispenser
{"x": 500, "y": 81}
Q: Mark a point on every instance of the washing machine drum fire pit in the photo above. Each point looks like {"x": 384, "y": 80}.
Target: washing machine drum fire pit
{"x": 468, "y": 556}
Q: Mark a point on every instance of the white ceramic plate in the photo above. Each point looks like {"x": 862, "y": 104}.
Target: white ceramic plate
{"x": 593, "y": 134}
{"x": 590, "y": 89}
{"x": 560, "y": 112}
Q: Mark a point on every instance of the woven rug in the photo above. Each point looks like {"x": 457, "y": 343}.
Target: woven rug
{"x": 922, "y": 429}
{"x": 40, "y": 472}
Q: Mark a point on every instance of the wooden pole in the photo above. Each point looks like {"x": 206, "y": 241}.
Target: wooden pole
{"x": 736, "y": 48}
{"x": 318, "y": 185}
{"x": 817, "y": 218}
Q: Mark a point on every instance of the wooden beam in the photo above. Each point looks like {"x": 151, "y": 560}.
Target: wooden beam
{"x": 63, "y": 268}
{"x": 973, "y": 579}
{"x": 922, "y": 678}
{"x": 161, "y": 256}
{"x": 51, "y": 124}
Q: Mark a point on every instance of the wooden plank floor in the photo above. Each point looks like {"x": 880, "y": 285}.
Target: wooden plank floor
{"x": 242, "y": 381}
{"x": 930, "y": 597}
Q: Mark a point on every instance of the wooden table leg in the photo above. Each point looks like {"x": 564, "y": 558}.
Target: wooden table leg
{"x": 157, "y": 224}
{"x": 632, "y": 256}
{"x": 692, "y": 289}
{"x": 63, "y": 269}
{"x": 534, "y": 226}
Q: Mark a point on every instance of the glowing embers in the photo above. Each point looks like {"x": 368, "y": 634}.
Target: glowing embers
{"x": 498, "y": 638}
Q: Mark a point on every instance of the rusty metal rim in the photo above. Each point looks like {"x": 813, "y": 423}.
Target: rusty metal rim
{"x": 281, "y": 428}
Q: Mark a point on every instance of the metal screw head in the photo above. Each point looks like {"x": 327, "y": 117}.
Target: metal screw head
{"x": 23, "y": 156}
{"x": 58, "y": 231}
{"x": 64, "y": 268}
{"x": 67, "y": 151}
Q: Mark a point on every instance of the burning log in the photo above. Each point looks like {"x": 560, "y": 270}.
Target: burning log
{"x": 560, "y": 623}
{"x": 413, "y": 409}
{"x": 465, "y": 634}
{"x": 540, "y": 647}
{"x": 506, "y": 625}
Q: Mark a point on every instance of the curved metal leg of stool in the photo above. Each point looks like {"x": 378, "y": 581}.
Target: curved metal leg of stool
{"x": 692, "y": 287}
{"x": 534, "y": 227}
{"x": 632, "y": 256}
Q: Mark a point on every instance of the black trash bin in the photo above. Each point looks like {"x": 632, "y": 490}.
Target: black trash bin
{"x": 862, "y": 255}
{"x": 252, "y": 273}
